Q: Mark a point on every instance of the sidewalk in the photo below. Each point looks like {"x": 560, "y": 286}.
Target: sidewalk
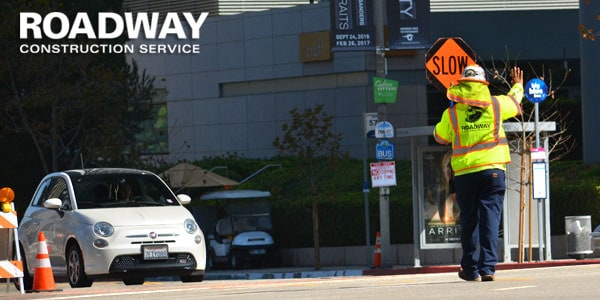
{"x": 307, "y": 272}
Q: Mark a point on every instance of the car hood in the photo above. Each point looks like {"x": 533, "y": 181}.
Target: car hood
{"x": 132, "y": 216}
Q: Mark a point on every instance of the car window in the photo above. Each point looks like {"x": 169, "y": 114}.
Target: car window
{"x": 58, "y": 189}
{"x": 121, "y": 190}
{"x": 41, "y": 194}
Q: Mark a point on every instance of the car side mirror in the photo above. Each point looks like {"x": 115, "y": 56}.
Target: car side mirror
{"x": 184, "y": 199}
{"x": 53, "y": 203}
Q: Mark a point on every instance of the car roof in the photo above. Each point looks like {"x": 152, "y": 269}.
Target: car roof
{"x": 235, "y": 194}
{"x": 100, "y": 171}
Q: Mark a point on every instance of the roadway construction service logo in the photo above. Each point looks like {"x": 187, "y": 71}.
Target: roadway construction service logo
{"x": 55, "y": 32}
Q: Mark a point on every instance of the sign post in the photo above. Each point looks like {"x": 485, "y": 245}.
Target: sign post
{"x": 536, "y": 91}
{"x": 446, "y": 60}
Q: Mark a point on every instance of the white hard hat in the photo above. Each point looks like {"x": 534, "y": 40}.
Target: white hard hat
{"x": 474, "y": 73}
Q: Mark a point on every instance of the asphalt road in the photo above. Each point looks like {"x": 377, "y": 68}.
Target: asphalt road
{"x": 565, "y": 282}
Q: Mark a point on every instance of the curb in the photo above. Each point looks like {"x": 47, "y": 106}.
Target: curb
{"x": 500, "y": 266}
{"x": 287, "y": 273}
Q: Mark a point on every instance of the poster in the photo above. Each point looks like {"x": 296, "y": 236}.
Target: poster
{"x": 440, "y": 215}
{"x": 352, "y": 25}
{"x": 408, "y": 24}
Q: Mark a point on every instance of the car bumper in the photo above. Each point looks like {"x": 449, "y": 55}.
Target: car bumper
{"x": 122, "y": 256}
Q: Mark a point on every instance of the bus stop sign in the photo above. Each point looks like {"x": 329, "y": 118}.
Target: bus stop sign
{"x": 446, "y": 60}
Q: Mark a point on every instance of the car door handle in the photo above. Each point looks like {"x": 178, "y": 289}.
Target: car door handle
{"x": 36, "y": 222}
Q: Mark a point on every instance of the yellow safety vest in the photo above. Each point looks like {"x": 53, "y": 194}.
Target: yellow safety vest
{"x": 474, "y": 126}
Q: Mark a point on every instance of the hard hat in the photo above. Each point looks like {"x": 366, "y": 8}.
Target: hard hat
{"x": 474, "y": 73}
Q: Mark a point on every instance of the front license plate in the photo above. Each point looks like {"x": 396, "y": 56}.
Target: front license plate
{"x": 258, "y": 252}
{"x": 155, "y": 252}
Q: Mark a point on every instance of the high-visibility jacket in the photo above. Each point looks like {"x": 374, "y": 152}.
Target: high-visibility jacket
{"x": 473, "y": 125}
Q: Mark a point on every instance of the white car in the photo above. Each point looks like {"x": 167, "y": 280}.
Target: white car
{"x": 91, "y": 233}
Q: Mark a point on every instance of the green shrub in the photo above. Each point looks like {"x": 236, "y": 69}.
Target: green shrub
{"x": 574, "y": 190}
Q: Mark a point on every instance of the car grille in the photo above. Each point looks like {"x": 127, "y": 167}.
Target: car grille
{"x": 142, "y": 239}
{"x": 137, "y": 263}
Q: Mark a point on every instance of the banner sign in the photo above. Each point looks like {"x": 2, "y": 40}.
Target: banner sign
{"x": 352, "y": 25}
{"x": 408, "y": 24}
{"x": 385, "y": 90}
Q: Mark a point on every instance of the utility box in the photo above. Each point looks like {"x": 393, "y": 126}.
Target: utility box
{"x": 578, "y": 231}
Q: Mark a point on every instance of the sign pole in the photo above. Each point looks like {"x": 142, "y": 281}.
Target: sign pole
{"x": 536, "y": 91}
{"x": 384, "y": 209}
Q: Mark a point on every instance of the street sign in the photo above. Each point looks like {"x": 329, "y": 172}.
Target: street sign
{"x": 370, "y": 122}
{"x": 536, "y": 90}
{"x": 384, "y": 130}
{"x": 383, "y": 174}
{"x": 384, "y": 150}
{"x": 446, "y": 60}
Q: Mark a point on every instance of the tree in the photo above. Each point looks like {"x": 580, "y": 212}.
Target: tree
{"x": 310, "y": 137}
{"x": 74, "y": 107}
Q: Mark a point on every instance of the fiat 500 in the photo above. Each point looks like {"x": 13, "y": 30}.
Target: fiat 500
{"x": 111, "y": 223}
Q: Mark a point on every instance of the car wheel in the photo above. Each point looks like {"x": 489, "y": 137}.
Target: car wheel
{"x": 235, "y": 260}
{"x": 75, "y": 268}
{"x": 133, "y": 281}
{"x": 27, "y": 278}
{"x": 192, "y": 278}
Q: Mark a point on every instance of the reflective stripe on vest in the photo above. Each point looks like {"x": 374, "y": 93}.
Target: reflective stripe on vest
{"x": 459, "y": 149}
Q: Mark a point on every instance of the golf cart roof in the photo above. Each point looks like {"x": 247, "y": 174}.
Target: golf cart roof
{"x": 235, "y": 194}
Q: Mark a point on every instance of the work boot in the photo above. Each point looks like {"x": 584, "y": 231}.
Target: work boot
{"x": 488, "y": 277}
{"x": 464, "y": 276}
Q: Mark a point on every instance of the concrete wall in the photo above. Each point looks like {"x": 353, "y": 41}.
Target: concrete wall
{"x": 403, "y": 253}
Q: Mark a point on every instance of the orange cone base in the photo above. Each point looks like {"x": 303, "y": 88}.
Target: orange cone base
{"x": 377, "y": 261}
{"x": 43, "y": 281}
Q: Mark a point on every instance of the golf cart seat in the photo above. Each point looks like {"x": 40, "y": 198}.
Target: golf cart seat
{"x": 224, "y": 227}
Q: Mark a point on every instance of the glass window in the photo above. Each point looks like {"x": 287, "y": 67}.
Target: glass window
{"x": 154, "y": 137}
{"x": 42, "y": 193}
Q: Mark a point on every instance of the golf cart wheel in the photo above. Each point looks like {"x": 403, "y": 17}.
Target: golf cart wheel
{"x": 210, "y": 261}
{"x": 236, "y": 261}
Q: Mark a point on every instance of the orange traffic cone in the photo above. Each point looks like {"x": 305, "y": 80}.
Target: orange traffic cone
{"x": 377, "y": 252}
{"x": 43, "y": 279}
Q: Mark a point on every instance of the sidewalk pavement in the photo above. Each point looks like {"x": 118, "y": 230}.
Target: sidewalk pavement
{"x": 308, "y": 272}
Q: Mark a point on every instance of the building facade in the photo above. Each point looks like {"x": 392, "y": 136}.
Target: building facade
{"x": 254, "y": 68}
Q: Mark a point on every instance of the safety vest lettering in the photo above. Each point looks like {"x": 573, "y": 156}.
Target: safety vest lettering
{"x": 475, "y": 126}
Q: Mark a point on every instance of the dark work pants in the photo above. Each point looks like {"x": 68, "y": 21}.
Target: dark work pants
{"x": 480, "y": 196}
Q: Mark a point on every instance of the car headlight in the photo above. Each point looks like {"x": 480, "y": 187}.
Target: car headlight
{"x": 190, "y": 225}
{"x": 103, "y": 229}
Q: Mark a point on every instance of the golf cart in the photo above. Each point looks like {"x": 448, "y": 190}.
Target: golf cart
{"x": 242, "y": 230}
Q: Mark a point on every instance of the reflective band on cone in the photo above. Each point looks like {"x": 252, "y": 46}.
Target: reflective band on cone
{"x": 43, "y": 279}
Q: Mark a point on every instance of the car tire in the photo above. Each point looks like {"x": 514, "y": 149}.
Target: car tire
{"x": 192, "y": 278}
{"x": 133, "y": 281}
{"x": 75, "y": 268}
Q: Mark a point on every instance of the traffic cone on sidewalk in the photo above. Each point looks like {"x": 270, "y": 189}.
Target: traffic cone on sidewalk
{"x": 43, "y": 279}
{"x": 377, "y": 252}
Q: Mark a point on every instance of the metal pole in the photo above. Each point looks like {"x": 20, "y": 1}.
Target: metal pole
{"x": 540, "y": 210}
{"x": 366, "y": 193}
{"x": 384, "y": 206}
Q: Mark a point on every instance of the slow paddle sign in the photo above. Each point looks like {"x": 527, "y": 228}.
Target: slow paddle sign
{"x": 446, "y": 60}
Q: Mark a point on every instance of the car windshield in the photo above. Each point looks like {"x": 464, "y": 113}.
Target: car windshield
{"x": 250, "y": 214}
{"x": 121, "y": 190}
